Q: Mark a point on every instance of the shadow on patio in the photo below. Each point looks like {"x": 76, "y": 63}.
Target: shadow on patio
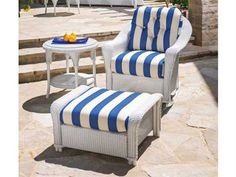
{"x": 41, "y": 104}
{"x": 89, "y": 161}
{"x": 58, "y": 14}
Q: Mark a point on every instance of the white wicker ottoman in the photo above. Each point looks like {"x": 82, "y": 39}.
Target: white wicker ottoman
{"x": 105, "y": 121}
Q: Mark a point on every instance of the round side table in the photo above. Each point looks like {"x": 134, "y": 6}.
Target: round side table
{"x": 71, "y": 51}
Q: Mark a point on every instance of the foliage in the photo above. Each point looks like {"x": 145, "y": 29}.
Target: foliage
{"x": 25, "y": 4}
{"x": 182, "y": 3}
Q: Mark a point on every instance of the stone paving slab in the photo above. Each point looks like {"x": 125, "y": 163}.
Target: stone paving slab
{"x": 90, "y": 20}
{"x": 182, "y": 150}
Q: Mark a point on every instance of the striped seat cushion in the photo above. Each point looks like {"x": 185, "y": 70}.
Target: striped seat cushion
{"x": 139, "y": 63}
{"x": 102, "y": 109}
{"x": 154, "y": 29}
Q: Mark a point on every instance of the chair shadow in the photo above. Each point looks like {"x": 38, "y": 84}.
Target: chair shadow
{"x": 58, "y": 14}
{"x": 90, "y": 161}
{"x": 41, "y": 104}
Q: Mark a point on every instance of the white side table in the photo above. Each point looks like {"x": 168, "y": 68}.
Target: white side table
{"x": 54, "y": 2}
{"x": 71, "y": 51}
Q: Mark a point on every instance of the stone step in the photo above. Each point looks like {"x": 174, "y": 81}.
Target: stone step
{"x": 154, "y": 3}
{"x": 38, "y": 72}
{"x": 37, "y": 55}
{"x": 34, "y": 43}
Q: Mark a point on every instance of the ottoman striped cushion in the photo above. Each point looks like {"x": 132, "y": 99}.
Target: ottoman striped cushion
{"x": 102, "y": 109}
{"x": 139, "y": 63}
{"x": 154, "y": 29}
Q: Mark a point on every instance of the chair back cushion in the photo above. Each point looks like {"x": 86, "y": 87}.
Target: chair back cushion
{"x": 154, "y": 29}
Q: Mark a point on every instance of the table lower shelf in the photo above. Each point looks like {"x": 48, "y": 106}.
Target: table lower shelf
{"x": 67, "y": 80}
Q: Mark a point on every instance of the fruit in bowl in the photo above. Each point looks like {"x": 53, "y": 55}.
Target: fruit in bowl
{"x": 70, "y": 37}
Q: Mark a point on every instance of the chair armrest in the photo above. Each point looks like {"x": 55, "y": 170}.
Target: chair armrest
{"x": 182, "y": 40}
{"x": 117, "y": 45}
{"x": 114, "y": 47}
{"x": 172, "y": 54}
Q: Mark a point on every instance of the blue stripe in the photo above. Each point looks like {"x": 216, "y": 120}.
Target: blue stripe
{"x": 126, "y": 123}
{"x": 168, "y": 28}
{"x": 132, "y": 62}
{"x": 180, "y": 26}
{"x": 118, "y": 63}
{"x": 144, "y": 35}
{"x": 160, "y": 68}
{"x": 61, "y": 113}
{"x": 156, "y": 29}
{"x": 147, "y": 64}
{"x": 93, "y": 116}
{"x": 112, "y": 117}
{"x": 180, "y": 23}
{"x": 76, "y": 111}
{"x": 132, "y": 31}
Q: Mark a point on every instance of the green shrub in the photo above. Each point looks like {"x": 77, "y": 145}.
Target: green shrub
{"x": 25, "y": 4}
{"x": 182, "y": 3}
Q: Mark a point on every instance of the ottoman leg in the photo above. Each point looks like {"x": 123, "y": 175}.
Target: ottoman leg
{"x": 58, "y": 148}
{"x": 132, "y": 162}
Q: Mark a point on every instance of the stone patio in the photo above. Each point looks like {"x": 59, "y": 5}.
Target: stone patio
{"x": 90, "y": 20}
{"x": 187, "y": 146}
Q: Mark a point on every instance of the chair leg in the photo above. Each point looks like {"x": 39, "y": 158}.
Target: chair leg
{"x": 78, "y": 3}
{"x": 68, "y": 5}
{"x": 46, "y": 6}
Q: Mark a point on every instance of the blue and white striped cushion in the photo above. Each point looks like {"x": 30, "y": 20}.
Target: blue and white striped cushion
{"x": 154, "y": 29}
{"x": 139, "y": 63}
{"x": 102, "y": 109}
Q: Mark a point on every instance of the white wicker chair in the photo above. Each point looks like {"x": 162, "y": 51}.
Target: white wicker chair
{"x": 54, "y": 2}
{"x": 167, "y": 86}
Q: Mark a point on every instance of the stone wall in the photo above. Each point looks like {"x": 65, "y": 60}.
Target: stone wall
{"x": 203, "y": 15}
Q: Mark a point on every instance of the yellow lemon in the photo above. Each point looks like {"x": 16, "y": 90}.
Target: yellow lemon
{"x": 73, "y": 34}
{"x": 66, "y": 37}
{"x": 72, "y": 38}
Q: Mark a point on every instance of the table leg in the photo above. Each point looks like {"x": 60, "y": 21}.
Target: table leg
{"x": 93, "y": 57}
{"x": 75, "y": 59}
{"x": 78, "y": 2}
{"x": 54, "y": 5}
{"x": 48, "y": 80}
{"x": 67, "y": 63}
{"x": 48, "y": 62}
{"x": 68, "y": 4}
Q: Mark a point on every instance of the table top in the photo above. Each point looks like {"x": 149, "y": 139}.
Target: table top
{"x": 89, "y": 45}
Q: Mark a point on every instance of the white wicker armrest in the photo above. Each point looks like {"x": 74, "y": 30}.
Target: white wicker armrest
{"x": 117, "y": 45}
{"x": 172, "y": 53}
{"x": 134, "y": 122}
{"x": 114, "y": 47}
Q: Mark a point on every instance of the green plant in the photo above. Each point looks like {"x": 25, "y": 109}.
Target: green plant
{"x": 182, "y": 3}
{"x": 25, "y": 4}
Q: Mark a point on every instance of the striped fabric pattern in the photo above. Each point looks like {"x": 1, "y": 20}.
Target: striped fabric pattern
{"x": 154, "y": 29}
{"x": 139, "y": 63}
{"x": 102, "y": 109}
